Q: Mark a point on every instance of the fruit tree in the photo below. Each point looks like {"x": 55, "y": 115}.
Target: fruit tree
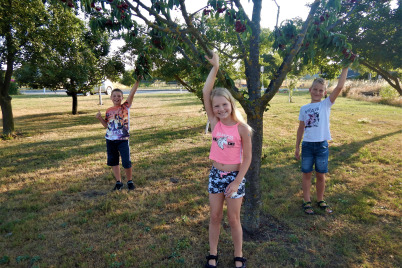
{"x": 237, "y": 38}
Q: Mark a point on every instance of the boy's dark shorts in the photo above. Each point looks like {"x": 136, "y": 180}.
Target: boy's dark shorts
{"x": 115, "y": 149}
{"x": 314, "y": 153}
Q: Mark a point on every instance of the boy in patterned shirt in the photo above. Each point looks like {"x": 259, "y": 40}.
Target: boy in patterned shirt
{"x": 117, "y": 124}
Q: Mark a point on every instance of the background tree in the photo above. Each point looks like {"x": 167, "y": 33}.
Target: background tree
{"x": 19, "y": 25}
{"x": 73, "y": 59}
{"x": 194, "y": 38}
{"x": 375, "y": 33}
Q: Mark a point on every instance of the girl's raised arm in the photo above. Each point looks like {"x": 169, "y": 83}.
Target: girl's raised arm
{"x": 209, "y": 84}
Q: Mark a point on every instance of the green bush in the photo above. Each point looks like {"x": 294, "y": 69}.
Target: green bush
{"x": 13, "y": 90}
{"x": 388, "y": 92}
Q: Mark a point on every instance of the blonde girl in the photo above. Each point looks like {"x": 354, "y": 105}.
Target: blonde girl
{"x": 231, "y": 157}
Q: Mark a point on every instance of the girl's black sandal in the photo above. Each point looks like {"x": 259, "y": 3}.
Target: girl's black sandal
{"x": 211, "y": 257}
{"x": 242, "y": 260}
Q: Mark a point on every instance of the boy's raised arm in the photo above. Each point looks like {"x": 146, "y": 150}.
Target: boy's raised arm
{"x": 132, "y": 92}
{"x": 339, "y": 86}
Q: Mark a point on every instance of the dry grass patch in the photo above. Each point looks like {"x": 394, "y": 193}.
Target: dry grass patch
{"x": 373, "y": 91}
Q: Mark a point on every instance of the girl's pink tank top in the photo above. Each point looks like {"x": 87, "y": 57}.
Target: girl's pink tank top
{"x": 226, "y": 145}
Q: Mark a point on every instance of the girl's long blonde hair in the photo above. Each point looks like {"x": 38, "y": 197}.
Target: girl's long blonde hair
{"x": 237, "y": 116}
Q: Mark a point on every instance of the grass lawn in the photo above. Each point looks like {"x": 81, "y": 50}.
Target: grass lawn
{"x": 57, "y": 208}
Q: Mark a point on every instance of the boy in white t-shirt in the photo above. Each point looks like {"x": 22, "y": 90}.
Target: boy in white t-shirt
{"x": 314, "y": 124}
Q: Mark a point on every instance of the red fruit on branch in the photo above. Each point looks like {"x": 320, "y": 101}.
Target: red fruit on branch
{"x": 92, "y": 4}
{"x": 206, "y": 12}
{"x": 322, "y": 19}
{"x": 353, "y": 57}
{"x": 316, "y": 22}
{"x": 240, "y": 27}
{"x": 344, "y": 51}
{"x": 98, "y": 9}
{"x": 307, "y": 44}
{"x": 70, "y": 4}
{"x": 221, "y": 10}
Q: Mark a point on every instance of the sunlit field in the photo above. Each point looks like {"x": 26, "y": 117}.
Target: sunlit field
{"x": 57, "y": 208}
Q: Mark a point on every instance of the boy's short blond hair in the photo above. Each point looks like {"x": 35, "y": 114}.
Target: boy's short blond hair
{"x": 320, "y": 81}
{"x": 117, "y": 90}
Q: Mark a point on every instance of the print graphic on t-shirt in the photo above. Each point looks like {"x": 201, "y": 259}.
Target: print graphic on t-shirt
{"x": 313, "y": 118}
{"x": 222, "y": 141}
{"x": 118, "y": 124}
{"x": 116, "y": 128}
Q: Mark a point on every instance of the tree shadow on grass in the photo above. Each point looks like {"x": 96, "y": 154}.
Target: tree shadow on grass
{"x": 48, "y": 154}
{"x": 346, "y": 152}
{"x": 155, "y": 137}
{"x": 40, "y": 96}
{"x": 45, "y": 122}
{"x": 289, "y": 232}
{"x": 161, "y": 204}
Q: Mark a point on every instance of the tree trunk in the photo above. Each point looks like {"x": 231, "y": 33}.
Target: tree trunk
{"x": 7, "y": 112}
{"x": 5, "y": 99}
{"x": 75, "y": 102}
{"x": 252, "y": 202}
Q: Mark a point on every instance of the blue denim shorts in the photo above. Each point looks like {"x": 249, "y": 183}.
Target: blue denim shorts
{"x": 115, "y": 149}
{"x": 219, "y": 180}
{"x": 314, "y": 153}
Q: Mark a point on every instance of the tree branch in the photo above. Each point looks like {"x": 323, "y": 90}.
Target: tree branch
{"x": 184, "y": 84}
{"x": 222, "y": 51}
{"x": 336, "y": 23}
{"x": 392, "y": 80}
{"x": 196, "y": 64}
{"x": 240, "y": 7}
{"x": 285, "y": 67}
{"x": 277, "y": 14}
